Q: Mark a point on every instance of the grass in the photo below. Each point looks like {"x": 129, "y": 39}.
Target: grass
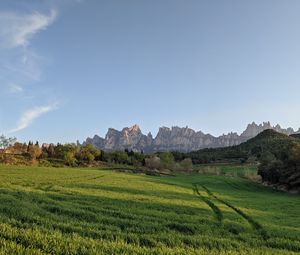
{"x": 94, "y": 211}
{"x": 248, "y": 171}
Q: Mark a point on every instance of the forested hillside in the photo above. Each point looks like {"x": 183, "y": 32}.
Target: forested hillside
{"x": 278, "y": 156}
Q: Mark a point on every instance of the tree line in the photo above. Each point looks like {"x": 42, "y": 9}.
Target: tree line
{"x": 277, "y": 156}
{"x": 74, "y": 155}
{"x": 282, "y": 167}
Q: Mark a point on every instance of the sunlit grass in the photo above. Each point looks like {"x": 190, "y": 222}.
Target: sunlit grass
{"x": 94, "y": 211}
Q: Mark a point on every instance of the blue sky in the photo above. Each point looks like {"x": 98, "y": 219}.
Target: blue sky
{"x": 70, "y": 69}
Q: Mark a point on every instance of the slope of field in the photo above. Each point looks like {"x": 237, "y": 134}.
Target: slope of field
{"x": 90, "y": 211}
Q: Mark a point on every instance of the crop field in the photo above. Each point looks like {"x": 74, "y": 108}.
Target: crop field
{"x": 94, "y": 211}
{"x": 232, "y": 170}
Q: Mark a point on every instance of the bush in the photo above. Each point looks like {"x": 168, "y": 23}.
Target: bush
{"x": 70, "y": 159}
{"x": 87, "y": 153}
{"x": 187, "y": 165}
{"x": 153, "y": 162}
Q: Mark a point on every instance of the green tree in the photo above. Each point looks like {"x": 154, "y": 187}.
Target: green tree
{"x": 294, "y": 154}
{"x": 88, "y": 153}
{"x": 117, "y": 157}
{"x": 167, "y": 160}
{"x": 69, "y": 159}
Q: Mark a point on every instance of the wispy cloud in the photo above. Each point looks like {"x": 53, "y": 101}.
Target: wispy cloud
{"x": 29, "y": 116}
{"x": 18, "y": 61}
{"x": 21, "y": 67}
{"x": 17, "y": 29}
{"x": 15, "y": 88}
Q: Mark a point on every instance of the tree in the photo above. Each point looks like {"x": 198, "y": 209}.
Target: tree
{"x": 59, "y": 151}
{"x": 18, "y": 148}
{"x": 153, "y": 162}
{"x": 256, "y": 151}
{"x": 70, "y": 159}
{"x": 167, "y": 160}
{"x": 187, "y": 165}
{"x": 88, "y": 153}
{"x": 267, "y": 157}
{"x": 34, "y": 150}
{"x": 294, "y": 154}
{"x": 137, "y": 159}
{"x": 6, "y": 142}
{"x": 117, "y": 157}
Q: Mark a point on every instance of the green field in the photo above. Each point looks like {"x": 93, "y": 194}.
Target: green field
{"x": 91, "y": 211}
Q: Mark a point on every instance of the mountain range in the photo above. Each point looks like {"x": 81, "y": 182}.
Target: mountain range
{"x": 176, "y": 138}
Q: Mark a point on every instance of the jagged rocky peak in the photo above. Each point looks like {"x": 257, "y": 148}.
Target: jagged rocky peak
{"x": 183, "y": 131}
{"x": 164, "y": 130}
{"x": 253, "y": 129}
{"x": 96, "y": 137}
{"x": 131, "y": 135}
{"x": 97, "y": 141}
{"x": 134, "y": 128}
{"x": 128, "y": 138}
{"x": 176, "y": 138}
{"x": 111, "y": 132}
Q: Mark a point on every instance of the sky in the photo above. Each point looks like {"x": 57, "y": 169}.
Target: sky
{"x": 70, "y": 69}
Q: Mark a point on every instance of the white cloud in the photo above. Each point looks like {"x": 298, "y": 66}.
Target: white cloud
{"x": 18, "y": 62}
{"x": 20, "y": 66}
{"x": 29, "y": 116}
{"x": 17, "y": 29}
{"x": 15, "y": 88}
{"x": 24, "y": 65}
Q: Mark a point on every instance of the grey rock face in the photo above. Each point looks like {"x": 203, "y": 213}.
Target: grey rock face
{"x": 253, "y": 130}
{"x": 175, "y": 138}
{"x": 97, "y": 141}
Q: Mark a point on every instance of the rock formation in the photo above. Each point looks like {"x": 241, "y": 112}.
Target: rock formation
{"x": 175, "y": 138}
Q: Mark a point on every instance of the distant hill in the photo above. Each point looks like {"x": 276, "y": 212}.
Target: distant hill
{"x": 176, "y": 138}
{"x": 268, "y": 140}
{"x": 296, "y": 135}
{"x": 278, "y": 154}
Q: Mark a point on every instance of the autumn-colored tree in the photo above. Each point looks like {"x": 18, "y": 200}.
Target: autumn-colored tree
{"x": 187, "y": 165}
{"x": 34, "y": 150}
{"x": 18, "y": 148}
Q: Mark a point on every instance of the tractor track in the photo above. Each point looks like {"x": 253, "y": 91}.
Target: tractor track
{"x": 217, "y": 212}
{"x": 255, "y": 225}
